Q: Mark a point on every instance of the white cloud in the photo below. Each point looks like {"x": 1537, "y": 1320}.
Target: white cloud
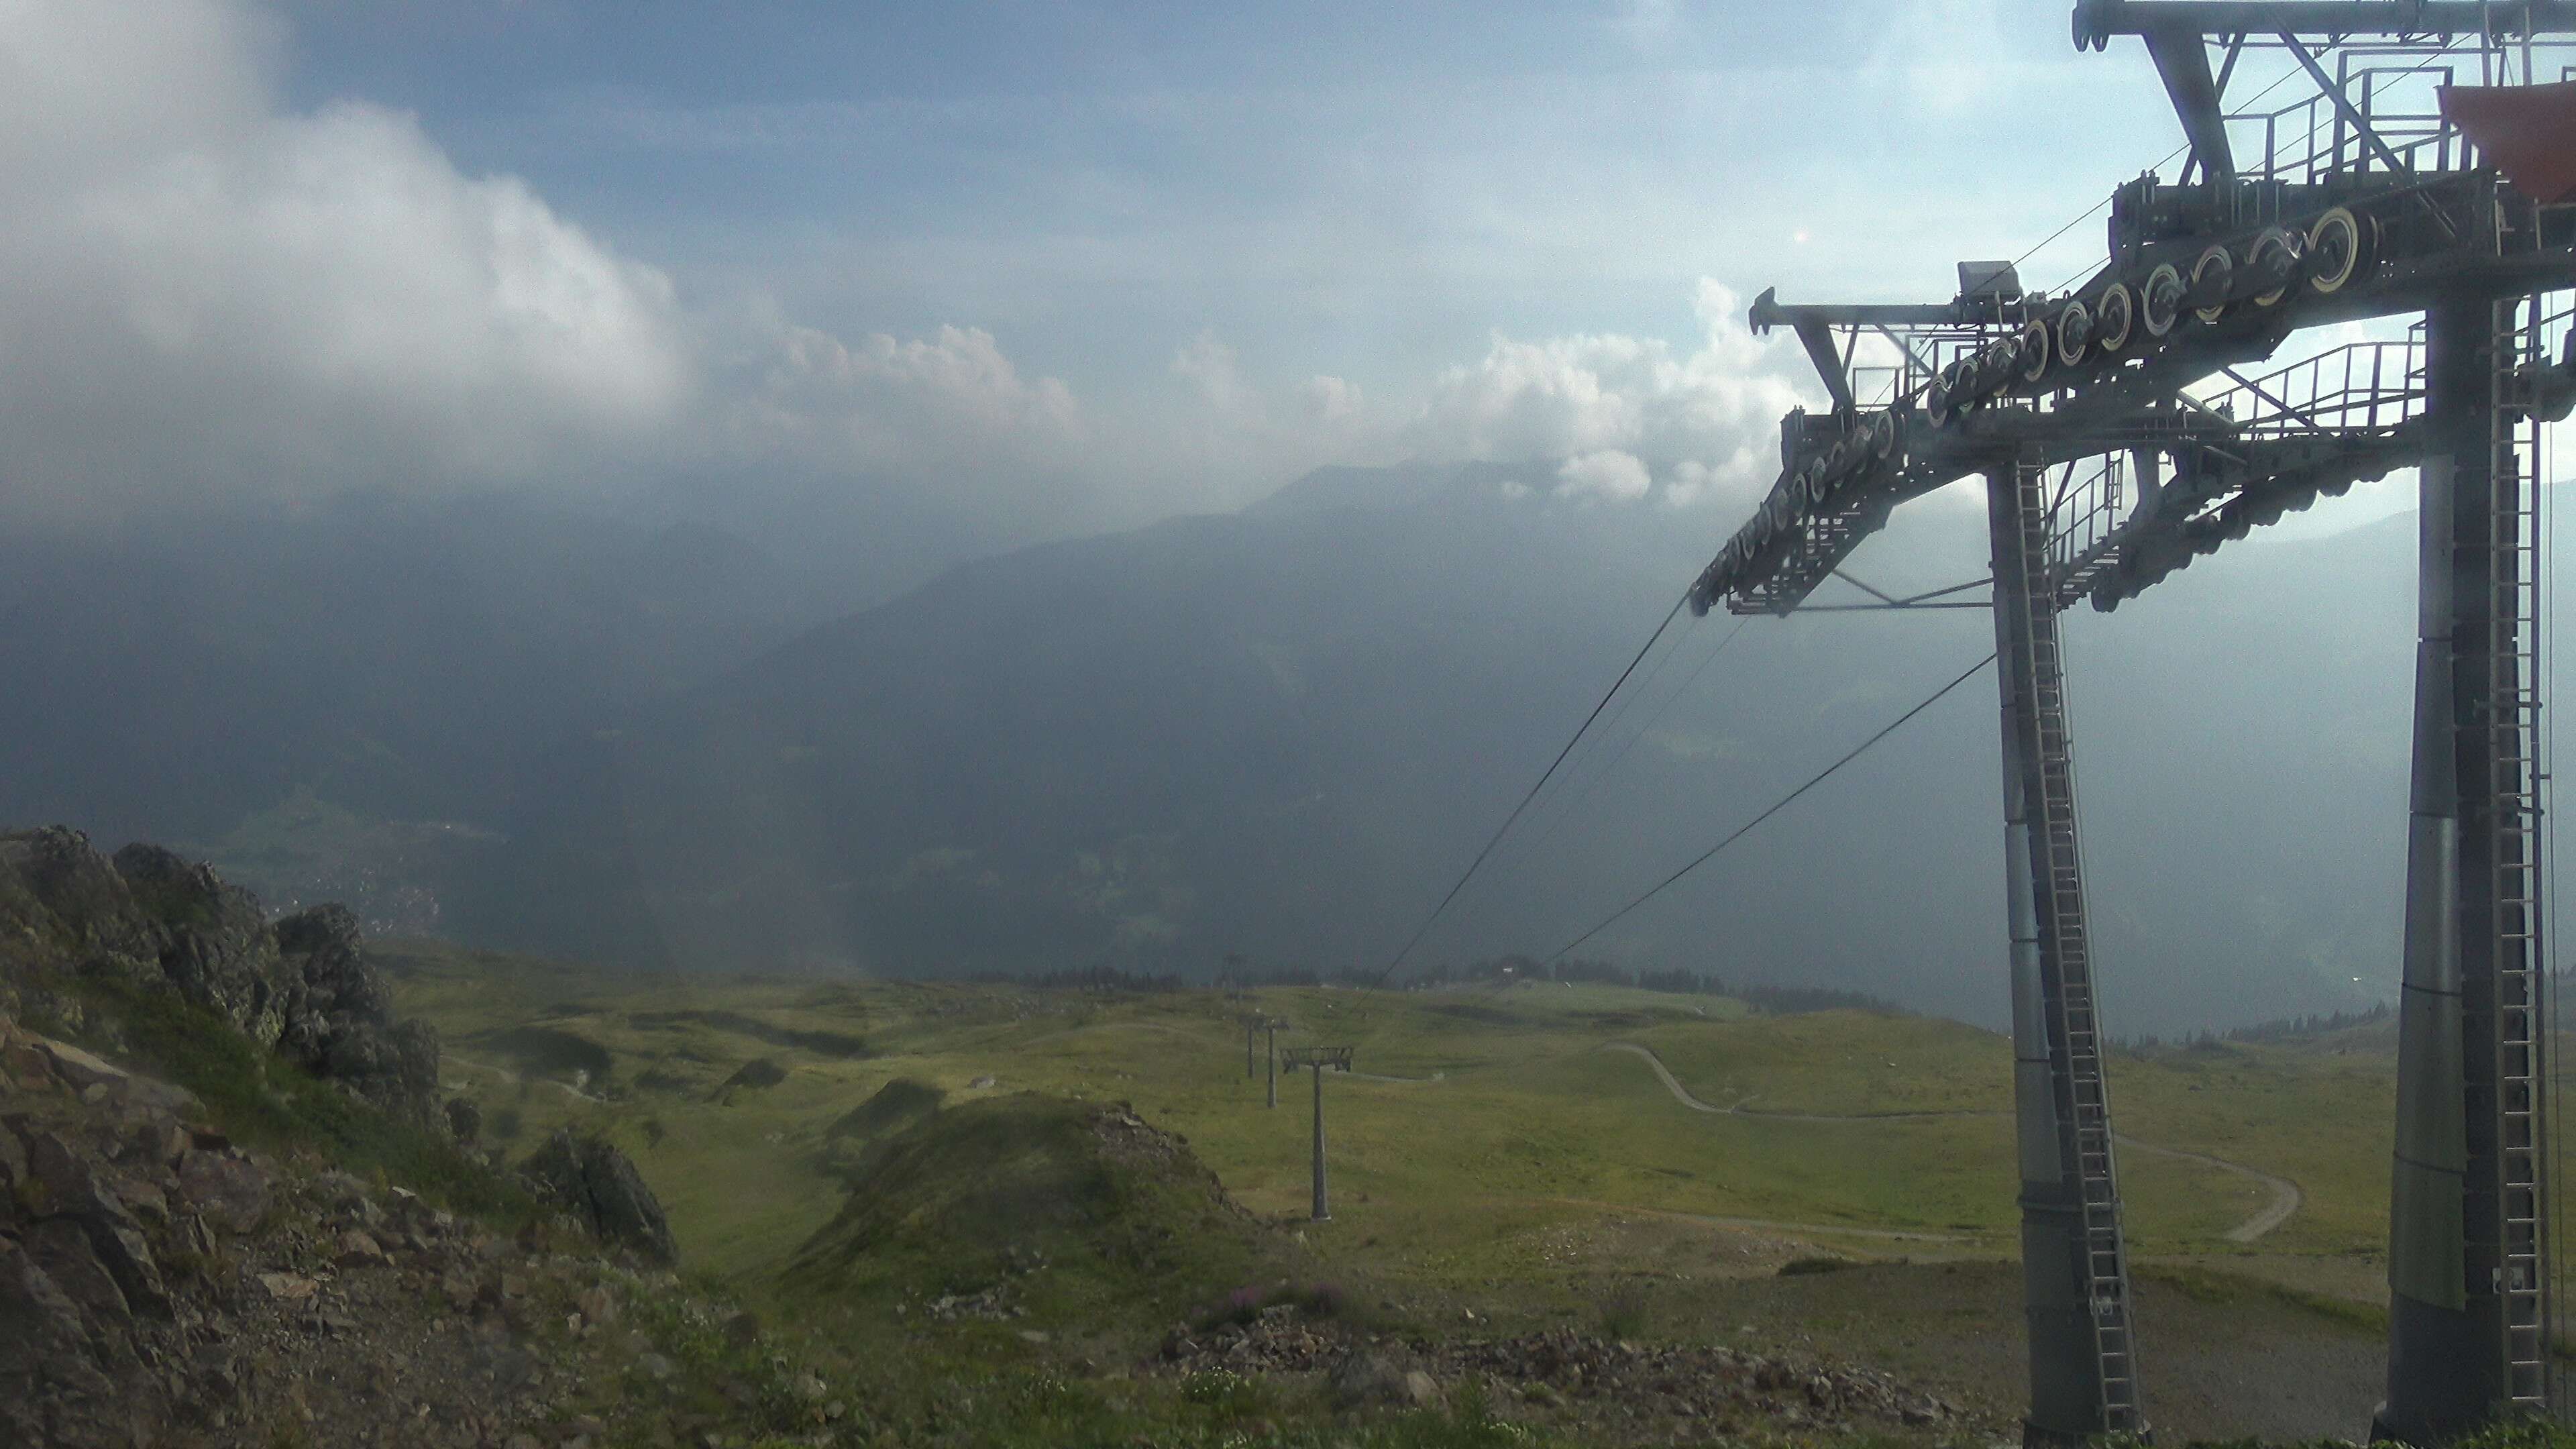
{"x": 1609, "y": 475}
{"x": 206, "y": 294}
{"x": 1692, "y": 481}
{"x": 199, "y": 293}
{"x": 889, "y": 398}
{"x": 1709, "y": 416}
{"x": 1213, "y": 370}
{"x": 1329, "y": 399}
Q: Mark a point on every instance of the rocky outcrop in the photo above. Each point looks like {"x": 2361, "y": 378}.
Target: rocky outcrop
{"x": 68, "y": 898}
{"x": 600, "y": 1187}
{"x": 1369, "y": 1375}
{"x": 95, "y": 1167}
{"x": 153, "y": 919}
{"x": 464, "y": 1121}
{"x": 211, "y": 940}
{"x": 343, "y": 1026}
{"x": 1564, "y": 1375}
{"x": 160, "y": 1286}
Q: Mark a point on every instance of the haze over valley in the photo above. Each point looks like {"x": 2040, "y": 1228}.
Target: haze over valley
{"x": 675, "y": 679}
{"x": 1276, "y": 734}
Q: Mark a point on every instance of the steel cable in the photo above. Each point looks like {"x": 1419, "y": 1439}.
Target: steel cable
{"x": 1554, "y": 816}
{"x": 1505, "y": 828}
{"x": 1776, "y": 807}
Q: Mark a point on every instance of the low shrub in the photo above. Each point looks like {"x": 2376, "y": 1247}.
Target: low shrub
{"x": 1623, "y": 1310}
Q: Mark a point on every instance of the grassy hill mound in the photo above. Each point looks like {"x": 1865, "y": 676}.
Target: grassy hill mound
{"x": 896, "y": 1104}
{"x": 851, "y": 1145}
{"x": 1035, "y": 1206}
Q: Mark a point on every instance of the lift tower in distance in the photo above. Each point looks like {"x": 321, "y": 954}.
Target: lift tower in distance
{"x": 1318, "y": 1058}
{"x": 2426, "y": 166}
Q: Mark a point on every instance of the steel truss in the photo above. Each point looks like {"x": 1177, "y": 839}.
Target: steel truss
{"x": 2123, "y": 429}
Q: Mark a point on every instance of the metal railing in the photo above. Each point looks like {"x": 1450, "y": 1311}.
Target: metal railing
{"x": 2360, "y": 387}
{"x": 2088, "y": 501}
{"x": 2312, "y": 141}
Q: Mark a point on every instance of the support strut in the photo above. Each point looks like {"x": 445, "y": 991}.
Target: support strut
{"x": 2466, "y": 1244}
{"x": 2075, "y": 1276}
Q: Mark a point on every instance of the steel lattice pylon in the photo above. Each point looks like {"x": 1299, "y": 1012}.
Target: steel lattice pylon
{"x": 2121, "y": 436}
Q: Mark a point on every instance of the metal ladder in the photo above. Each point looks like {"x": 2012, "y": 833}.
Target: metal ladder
{"x": 2519, "y": 1248}
{"x": 2084, "y": 1113}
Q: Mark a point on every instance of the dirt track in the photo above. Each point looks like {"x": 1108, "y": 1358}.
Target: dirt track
{"x": 2285, "y": 1193}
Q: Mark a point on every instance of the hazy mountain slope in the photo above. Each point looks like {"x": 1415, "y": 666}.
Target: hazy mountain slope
{"x": 1283, "y": 732}
{"x": 365, "y": 665}
{"x": 1094, "y": 747}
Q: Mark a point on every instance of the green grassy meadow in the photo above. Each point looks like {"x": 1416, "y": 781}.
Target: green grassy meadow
{"x": 1521, "y": 1169}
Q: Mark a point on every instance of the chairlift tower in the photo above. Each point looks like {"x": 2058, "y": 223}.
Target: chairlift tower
{"x": 1318, "y": 1058}
{"x": 2120, "y": 437}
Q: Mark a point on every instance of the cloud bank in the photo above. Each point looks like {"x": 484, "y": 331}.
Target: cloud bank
{"x": 207, "y": 295}
{"x": 199, "y": 293}
{"x": 1628, "y": 412}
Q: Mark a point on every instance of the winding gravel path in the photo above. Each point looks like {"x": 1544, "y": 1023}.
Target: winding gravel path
{"x": 2286, "y": 1198}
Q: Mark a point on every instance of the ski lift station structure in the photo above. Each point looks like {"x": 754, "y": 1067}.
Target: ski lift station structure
{"x": 2427, "y": 169}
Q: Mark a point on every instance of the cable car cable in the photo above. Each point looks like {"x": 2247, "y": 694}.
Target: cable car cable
{"x": 1553, "y": 808}
{"x": 1548, "y": 824}
{"x": 1506, "y": 826}
{"x": 1777, "y": 806}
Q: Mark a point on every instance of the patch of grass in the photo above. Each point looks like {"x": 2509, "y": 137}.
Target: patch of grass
{"x": 1623, "y": 1310}
{"x": 1537, "y": 1169}
{"x": 550, "y": 1049}
{"x": 898, "y": 1103}
{"x": 1229, "y": 1395}
{"x": 2217, "y": 1287}
{"x": 1129, "y": 1228}
{"x": 838, "y": 1045}
{"x": 725, "y": 1366}
{"x": 258, "y": 1098}
{"x": 755, "y": 1074}
{"x": 1530, "y": 1122}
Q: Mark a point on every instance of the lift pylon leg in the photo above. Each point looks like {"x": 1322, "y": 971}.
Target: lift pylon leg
{"x": 2075, "y": 1277}
{"x": 1323, "y": 1205}
{"x": 2467, "y": 1248}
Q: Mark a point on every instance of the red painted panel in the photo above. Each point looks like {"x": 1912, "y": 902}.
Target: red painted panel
{"x": 2526, "y": 132}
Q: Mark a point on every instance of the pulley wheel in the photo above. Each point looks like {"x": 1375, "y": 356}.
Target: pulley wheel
{"x": 2275, "y": 253}
{"x": 2160, "y": 301}
{"x": 1997, "y": 364}
{"x": 2037, "y": 350}
{"x": 2339, "y": 250}
{"x": 2074, "y": 332}
{"x": 2113, "y": 315}
{"x": 2214, "y": 268}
